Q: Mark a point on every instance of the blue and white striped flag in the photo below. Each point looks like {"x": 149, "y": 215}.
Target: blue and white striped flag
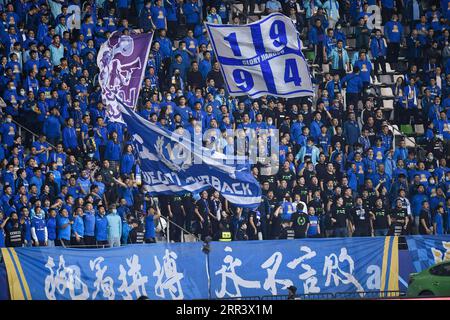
{"x": 171, "y": 163}
{"x": 262, "y": 58}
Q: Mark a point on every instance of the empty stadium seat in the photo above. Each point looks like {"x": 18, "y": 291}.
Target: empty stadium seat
{"x": 407, "y": 129}
{"x": 388, "y": 104}
{"x": 386, "y": 92}
{"x": 419, "y": 129}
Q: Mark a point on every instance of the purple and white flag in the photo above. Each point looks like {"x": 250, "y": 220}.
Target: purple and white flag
{"x": 122, "y": 60}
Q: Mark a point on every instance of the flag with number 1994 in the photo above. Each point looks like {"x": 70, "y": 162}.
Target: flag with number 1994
{"x": 262, "y": 58}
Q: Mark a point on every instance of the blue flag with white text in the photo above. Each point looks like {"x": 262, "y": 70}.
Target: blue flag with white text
{"x": 172, "y": 162}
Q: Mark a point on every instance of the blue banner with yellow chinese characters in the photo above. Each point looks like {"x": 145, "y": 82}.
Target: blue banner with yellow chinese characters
{"x": 426, "y": 251}
{"x": 180, "y": 271}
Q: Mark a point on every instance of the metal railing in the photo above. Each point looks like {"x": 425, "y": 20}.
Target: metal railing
{"x": 331, "y": 295}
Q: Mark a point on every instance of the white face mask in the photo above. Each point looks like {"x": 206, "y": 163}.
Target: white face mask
{"x": 8, "y": 120}
{"x": 169, "y": 98}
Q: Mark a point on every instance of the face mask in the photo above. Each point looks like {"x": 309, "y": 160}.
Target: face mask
{"x": 8, "y": 120}
{"x": 169, "y": 98}
{"x": 114, "y": 211}
{"x": 432, "y": 181}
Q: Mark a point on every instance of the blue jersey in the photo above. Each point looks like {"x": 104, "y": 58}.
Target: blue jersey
{"x": 39, "y": 226}
{"x": 313, "y": 226}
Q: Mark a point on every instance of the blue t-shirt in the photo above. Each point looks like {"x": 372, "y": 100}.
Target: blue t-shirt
{"x": 89, "y": 224}
{"x": 313, "y": 226}
{"x": 64, "y": 233}
{"x": 51, "y": 228}
{"x": 438, "y": 219}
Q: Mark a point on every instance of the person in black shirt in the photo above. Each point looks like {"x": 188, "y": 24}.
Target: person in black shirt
{"x": 302, "y": 190}
{"x": 426, "y": 223}
{"x": 340, "y": 219}
{"x": 177, "y": 215}
{"x": 300, "y": 222}
{"x": 202, "y": 214}
{"x": 381, "y": 219}
{"x": 254, "y": 223}
{"x": 287, "y": 175}
{"x": 399, "y": 219}
{"x": 348, "y": 199}
{"x": 137, "y": 233}
{"x": 14, "y": 235}
{"x": 188, "y": 206}
{"x": 362, "y": 223}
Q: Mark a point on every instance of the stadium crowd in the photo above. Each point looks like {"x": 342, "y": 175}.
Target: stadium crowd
{"x": 342, "y": 172}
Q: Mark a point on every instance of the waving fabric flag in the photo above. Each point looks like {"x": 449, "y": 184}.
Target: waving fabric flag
{"x": 262, "y": 58}
{"x": 171, "y": 162}
{"x": 122, "y": 60}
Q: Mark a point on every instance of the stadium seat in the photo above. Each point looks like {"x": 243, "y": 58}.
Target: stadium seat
{"x": 419, "y": 129}
{"x": 407, "y": 129}
{"x": 388, "y": 68}
{"x": 386, "y": 79}
{"x": 410, "y": 142}
{"x": 386, "y": 92}
{"x": 388, "y": 105}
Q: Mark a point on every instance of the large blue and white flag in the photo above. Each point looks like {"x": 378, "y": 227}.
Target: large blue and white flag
{"x": 262, "y": 58}
{"x": 172, "y": 162}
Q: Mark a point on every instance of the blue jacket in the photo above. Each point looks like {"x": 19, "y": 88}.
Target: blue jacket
{"x": 101, "y": 228}
{"x": 334, "y": 57}
{"x": 52, "y": 127}
{"x": 377, "y": 47}
{"x": 112, "y": 151}
{"x": 126, "y": 163}
{"x": 78, "y": 226}
{"x": 354, "y": 83}
{"x": 351, "y": 132}
{"x": 192, "y": 12}
{"x": 70, "y": 138}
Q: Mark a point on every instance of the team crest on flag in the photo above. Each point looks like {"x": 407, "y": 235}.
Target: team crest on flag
{"x": 122, "y": 60}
